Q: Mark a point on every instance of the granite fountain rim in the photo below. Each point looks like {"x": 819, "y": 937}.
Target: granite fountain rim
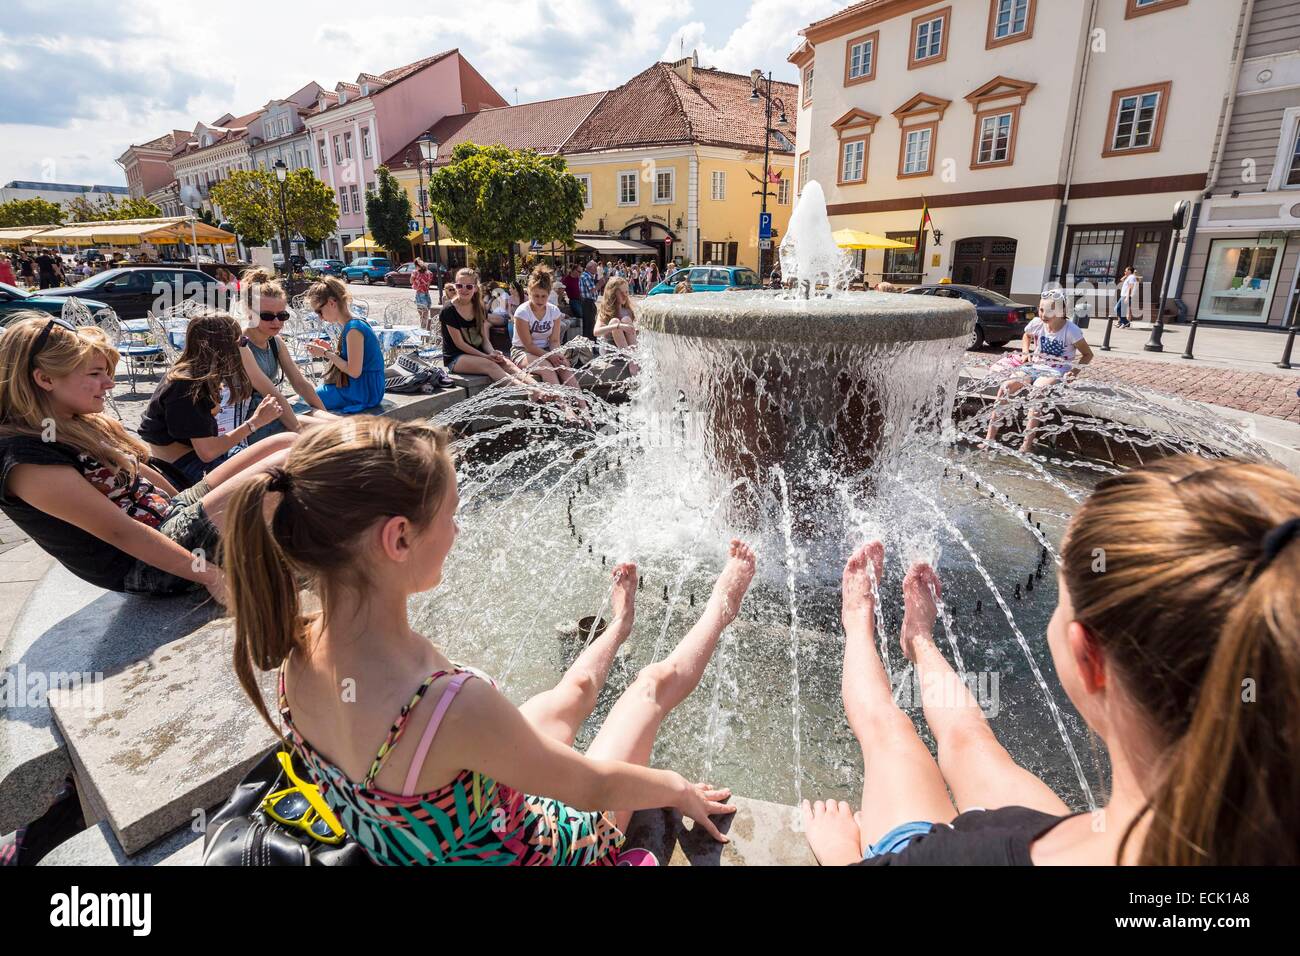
{"x": 858, "y": 318}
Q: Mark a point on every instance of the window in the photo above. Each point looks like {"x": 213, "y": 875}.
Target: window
{"x": 347, "y": 145}
{"x": 860, "y": 59}
{"x": 338, "y": 152}
{"x": 356, "y": 199}
{"x": 1241, "y": 280}
{"x": 370, "y": 188}
{"x": 343, "y": 202}
{"x": 1137, "y": 119}
{"x": 929, "y": 39}
{"x": 783, "y": 192}
{"x": 1010, "y": 21}
{"x": 995, "y": 133}
{"x": 365, "y": 141}
{"x": 1293, "y": 174}
{"x": 324, "y": 157}
{"x": 803, "y": 171}
{"x": 904, "y": 265}
{"x": 1138, "y": 8}
{"x": 719, "y": 185}
{"x": 853, "y": 154}
{"x": 664, "y": 185}
{"x": 266, "y": 128}
{"x": 627, "y": 189}
{"x": 585, "y": 179}
{"x": 918, "y": 142}
{"x": 807, "y": 84}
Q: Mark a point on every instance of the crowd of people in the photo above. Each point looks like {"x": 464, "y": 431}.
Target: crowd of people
{"x": 1198, "y": 600}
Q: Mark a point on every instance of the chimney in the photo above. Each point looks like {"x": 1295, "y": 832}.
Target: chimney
{"x": 685, "y": 68}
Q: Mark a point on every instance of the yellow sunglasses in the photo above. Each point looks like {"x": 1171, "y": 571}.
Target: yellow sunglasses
{"x": 302, "y": 806}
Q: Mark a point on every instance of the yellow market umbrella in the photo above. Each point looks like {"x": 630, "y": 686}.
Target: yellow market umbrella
{"x": 857, "y": 239}
{"x": 364, "y": 243}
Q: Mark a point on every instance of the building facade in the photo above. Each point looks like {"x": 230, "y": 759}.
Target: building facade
{"x": 1049, "y": 141}
{"x": 148, "y": 166}
{"x": 352, "y": 126}
{"x": 211, "y": 153}
{"x": 673, "y": 159}
{"x": 1244, "y": 264}
{"x": 61, "y": 193}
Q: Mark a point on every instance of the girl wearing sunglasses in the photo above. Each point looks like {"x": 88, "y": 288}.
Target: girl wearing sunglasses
{"x": 466, "y": 348}
{"x": 354, "y": 375}
{"x": 82, "y": 488}
{"x": 268, "y": 363}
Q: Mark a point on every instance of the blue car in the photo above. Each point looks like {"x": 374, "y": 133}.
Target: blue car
{"x": 367, "y": 269}
{"x": 326, "y": 267}
{"x": 710, "y": 279}
{"x": 14, "y": 300}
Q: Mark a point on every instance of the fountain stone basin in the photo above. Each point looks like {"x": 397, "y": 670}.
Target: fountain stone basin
{"x": 826, "y": 386}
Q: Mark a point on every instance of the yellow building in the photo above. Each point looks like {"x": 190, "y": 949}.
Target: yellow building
{"x": 672, "y": 162}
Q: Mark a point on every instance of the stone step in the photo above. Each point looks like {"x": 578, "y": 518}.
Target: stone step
{"x": 98, "y": 846}
{"x": 169, "y": 740}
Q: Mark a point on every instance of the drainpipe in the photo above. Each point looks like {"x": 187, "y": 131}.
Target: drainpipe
{"x": 1085, "y": 62}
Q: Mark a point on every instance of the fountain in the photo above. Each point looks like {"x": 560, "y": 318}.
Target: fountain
{"x": 806, "y": 421}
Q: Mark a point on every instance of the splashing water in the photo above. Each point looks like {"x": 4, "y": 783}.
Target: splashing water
{"x": 804, "y": 426}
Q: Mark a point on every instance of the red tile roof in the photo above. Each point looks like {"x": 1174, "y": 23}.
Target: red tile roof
{"x": 542, "y": 126}
{"x": 657, "y": 107}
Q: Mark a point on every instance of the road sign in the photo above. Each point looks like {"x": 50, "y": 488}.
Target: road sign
{"x": 412, "y": 226}
{"x": 427, "y": 233}
{"x": 765, "y": 225}
{"x": 765, "y": 243}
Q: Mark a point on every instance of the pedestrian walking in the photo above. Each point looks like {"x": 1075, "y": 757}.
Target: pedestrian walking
{"x": 587, "y": 295}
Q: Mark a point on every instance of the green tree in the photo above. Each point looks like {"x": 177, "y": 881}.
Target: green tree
{"x": 492, "y": 197}
{"x": 30, "y": 212}
{"x": 81, "y": 209}
{"x": 250, "y": 202}
{"x": 388, "y": 213}
{"x": 136, "y": 209}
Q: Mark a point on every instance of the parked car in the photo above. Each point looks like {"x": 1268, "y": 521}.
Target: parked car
{"x": 326, "y": 267}
{"x": 132, "y": 291}
{"x": 89, "y": 255}
{"x": 710, "y": 279}
{"x": 401, "y": 277}
{"x": 367, "y": 269}
{"x": 14, "y": 300}
{"x": 277, "y": 260}
{"x": 998, "y": 319}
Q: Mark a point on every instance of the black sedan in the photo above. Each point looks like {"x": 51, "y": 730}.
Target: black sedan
{"x": 998, "y": 319}
{"x": 133, "y": 291}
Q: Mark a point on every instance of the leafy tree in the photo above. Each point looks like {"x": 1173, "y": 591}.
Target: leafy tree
{"x": 492, "y": 197}
{"x": 136, "y": 209}
{"x": 81, "y": 209}
{"x": 388, "y": 213}
{"x": 250, "y": 202}
{"x": 30, "y": 212}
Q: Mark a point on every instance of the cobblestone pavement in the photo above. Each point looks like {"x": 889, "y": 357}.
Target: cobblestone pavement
{"x": 1258, "y": 392}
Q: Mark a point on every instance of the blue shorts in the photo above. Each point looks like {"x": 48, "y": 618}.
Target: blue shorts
{"x": 422, "y": 300}
{"x": 898, "y": 838}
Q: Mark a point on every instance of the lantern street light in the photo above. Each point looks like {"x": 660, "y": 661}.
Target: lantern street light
{"x": 281, "y": 174}
{"x": 429, "y": 152}
{"x": 762, "y": 86}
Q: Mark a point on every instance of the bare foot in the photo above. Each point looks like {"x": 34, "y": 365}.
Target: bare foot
{"x": 623, "y": 600}
{"x": 734, "y": 580}
{"x": 920, "y": 588}
{"x": 832, "y": 832}
{"x": 1027, "y": 445}
{"x": 857, "y": 604}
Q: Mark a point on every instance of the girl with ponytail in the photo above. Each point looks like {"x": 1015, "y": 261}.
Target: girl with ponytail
{"x": 364, "y": 511}
{"x": 1176, "y": 637}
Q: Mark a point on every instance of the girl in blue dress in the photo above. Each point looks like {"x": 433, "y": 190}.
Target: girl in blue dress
{"x": 355, "y": 377}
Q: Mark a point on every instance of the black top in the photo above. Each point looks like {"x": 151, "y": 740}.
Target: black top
{"x": 975, "y": 838}
{"x": 469, "y": 331}
{"x": 79, "y": 551}
{"x": 45, "y": 263}
{"x": 174, "y": 415}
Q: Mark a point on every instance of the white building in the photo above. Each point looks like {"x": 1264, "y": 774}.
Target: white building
{"x": 1049, "y": 139}
{"x": 1244, "y": 266}
{"x": 61, "y": 193}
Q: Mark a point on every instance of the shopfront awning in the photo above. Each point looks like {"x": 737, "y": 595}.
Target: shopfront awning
{"x": 21, "y": 235}
{"x": 134, "y": 232}
{"x": 608, "y": 246}
{"x": 857, "y": 239}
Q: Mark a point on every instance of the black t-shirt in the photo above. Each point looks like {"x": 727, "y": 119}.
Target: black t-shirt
{"x": 469, "y": 331}
{"x": 45, "y": 263}
{"x": 175, "y": 415}
{"x": 79, "y": 551}
{"x": 975, "y": 838}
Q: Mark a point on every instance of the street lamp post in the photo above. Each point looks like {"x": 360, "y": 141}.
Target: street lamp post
{"x": 429, "y": 152}
{"x": 281, "y": 173}
{"x": 756, "y": 79}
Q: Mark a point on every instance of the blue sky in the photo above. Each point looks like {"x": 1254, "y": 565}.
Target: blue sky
{"x": 84, "y": 80}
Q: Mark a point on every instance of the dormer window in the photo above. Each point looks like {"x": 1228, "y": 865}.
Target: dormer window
{"x": 343, "y": 97}
{"x": 365, "y": 89}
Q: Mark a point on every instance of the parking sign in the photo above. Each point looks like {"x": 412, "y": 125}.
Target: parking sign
{"x": 765, "y": 225}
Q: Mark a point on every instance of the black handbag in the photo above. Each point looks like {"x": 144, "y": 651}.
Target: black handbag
{"x": 240, "y": 834}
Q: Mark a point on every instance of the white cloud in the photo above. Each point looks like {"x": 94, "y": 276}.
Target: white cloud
{"x": 167, "y": 65}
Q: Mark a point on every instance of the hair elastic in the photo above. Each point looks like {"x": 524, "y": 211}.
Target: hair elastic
{"x": 280, "y": 480}
{"x": 1277, "y": 539}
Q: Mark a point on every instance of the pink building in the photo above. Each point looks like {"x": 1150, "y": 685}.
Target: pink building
{"x": 358, "y": 123}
